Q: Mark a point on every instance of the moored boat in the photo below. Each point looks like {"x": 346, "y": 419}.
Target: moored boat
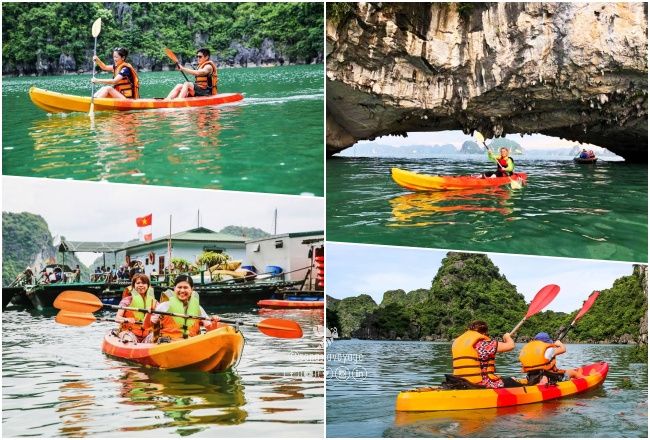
{"x": 424, "y": 182}
{"x": 585, "y": 160}
{"x": 215, "y": 351}
{"x": 55, "y": 102}
{"x": 435, "y": 399}
{"x": 291, "y": 304}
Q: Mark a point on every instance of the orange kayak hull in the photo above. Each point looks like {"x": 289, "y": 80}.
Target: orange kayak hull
{"x": 424, "y": 182}
{"x": 55, "y": 102}
{"x": 213, "y": 352}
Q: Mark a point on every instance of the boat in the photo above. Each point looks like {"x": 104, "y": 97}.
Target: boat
{"x": 436, "y": 399}
{"x": 424, "y": 182}
{"x": 55, "y": 102}
{"x": 215, "y": 351}
{"x": 307, "y": 303}
{"x": 585, "y": 160}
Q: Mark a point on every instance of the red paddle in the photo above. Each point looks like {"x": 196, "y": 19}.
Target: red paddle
{"x": 585, "y": 308}
{"x": 541, "y": 300}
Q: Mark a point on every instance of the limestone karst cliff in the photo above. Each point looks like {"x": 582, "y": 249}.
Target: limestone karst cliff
{"x": 572, "y": 70}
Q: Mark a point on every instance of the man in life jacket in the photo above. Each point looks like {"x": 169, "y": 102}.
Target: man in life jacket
{"x": 505, "y": 164}
{"x": 473, "y": 357}
{"x": 206, "y": 78}
{"x": 185, "y": 302}
{"x": 538, "y": 360}
{"x": 125, "y": 83}
{"x": 135, "y": 325}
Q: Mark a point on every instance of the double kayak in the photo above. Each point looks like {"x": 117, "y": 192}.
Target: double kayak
{"x": 212, "y": 352}
{"x": 424, "y": 182}
{"x": 288, "y": 304}
{"x": 585, "y": 160}
{"x": 55, "y": 102}
{"x": 432, "y": 399}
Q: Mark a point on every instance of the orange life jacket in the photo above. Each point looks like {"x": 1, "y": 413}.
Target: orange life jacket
{"x": 130, "y": 88}
{"x": 177, "y": 328}
{"x": 465, "y": 361}
{"x": 149, "y": 302}
{"x": 532, "y": 356}
{"x": 207, "y": 81}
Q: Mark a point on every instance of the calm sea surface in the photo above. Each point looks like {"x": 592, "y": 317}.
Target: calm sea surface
{"x": 270, "y": 142}
{"x": 569, "y": 210}
{"x": 57, "y": 383}
{"x": 365, "y": 407}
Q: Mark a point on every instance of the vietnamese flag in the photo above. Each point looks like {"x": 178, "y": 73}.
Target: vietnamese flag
{"x": 148, "y": 237}
{"x": 144, "y": 221}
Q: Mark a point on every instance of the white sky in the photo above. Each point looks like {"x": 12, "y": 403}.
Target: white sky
{"x": 354, "y": 269}
{"x": 456, "y": 138}
{"x": 96, "y": 211}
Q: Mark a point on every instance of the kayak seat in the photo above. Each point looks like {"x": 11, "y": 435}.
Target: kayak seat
{"x": 164, "y": 340}
{"x": 458, "y": 383}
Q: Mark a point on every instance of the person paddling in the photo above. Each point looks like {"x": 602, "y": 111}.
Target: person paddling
{"x": 206, "y": 78}
{"x": 505, "y": 164}
{"x": 473, "y": 357}
{"x": 125, "y": 83}
{"x": 140, "y": 295}
{"x": 185, "y": 302}
{"x": 538, "y": 360}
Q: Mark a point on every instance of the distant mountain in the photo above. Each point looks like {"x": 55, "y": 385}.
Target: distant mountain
{"x": 511, "y": 145}
{"x": 370, "y": 149}
{"x": 471, "y": 147}
{"x": 241, "y": 231}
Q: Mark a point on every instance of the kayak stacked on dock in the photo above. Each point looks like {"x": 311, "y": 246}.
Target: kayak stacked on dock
{"x": 424, "y": 182}
{"x": 54, "y": 102}
{"x": 434, "y": 399}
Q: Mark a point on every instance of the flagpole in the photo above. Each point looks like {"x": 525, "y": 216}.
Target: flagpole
{"x": 169, "y": 248}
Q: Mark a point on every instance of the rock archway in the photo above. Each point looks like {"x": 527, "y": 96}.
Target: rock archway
{"x": 571, "y": 70}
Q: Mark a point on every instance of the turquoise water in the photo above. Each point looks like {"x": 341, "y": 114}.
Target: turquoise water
{"x": 270, "y": 142}
{"x": 363, "y": 404}
{"x": 57, "y": 383}
{"x": 569, "y": 210}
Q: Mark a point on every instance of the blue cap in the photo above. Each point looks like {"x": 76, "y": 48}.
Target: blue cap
{"x": 544, "y": 337}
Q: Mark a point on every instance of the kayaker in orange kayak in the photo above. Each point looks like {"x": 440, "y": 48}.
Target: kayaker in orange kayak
{"x": 206, "y": 78}
{"x": 538, "y": 360}
{"x": 184, "y": 302}
{"x": 125, "y": 83}
{"x": 473, "y": 357}
{"x": 140, "y": 296}
{"x": 505, "y": 164}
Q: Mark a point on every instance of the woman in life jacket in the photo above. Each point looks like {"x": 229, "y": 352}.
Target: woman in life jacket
{"x": 205, "y": 83}
{"x": 505, "y": 164}
{"x": 473, "y": 357}
{"x": 125, "y": 83}
{"x": 538, "y": 361}
{"x": 185, "y": 302}
{"x": 135, "y": 325}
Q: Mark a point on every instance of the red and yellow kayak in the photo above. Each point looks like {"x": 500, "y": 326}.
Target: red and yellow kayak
{"x": 286, "y": 304}
{"x": 215, "y": 351}
{"x": 54, "y": 102}
{"x": 432, "y": 399}
{"x": 424, "y": 182}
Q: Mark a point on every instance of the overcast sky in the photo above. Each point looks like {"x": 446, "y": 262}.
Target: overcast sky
{"x": 96, "y": 211}
{"x": 456, "y": 138}
{"x": 353, "y": 269}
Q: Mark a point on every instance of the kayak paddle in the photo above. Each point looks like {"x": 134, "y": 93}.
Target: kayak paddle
{"x": 514, "y": 183}
{"x": 97, "y": 28}
{"x": 174, "y": 58}
{"x": 585, "y": 308}
{"x": 84, "y": 302}
{"x": 541, "y": 300}
{"x": 79, "y": 319}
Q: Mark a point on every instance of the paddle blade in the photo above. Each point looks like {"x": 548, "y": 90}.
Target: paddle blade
{"x": 587, "y": 305}
{"x": 515, "y": 183}
{"x": 97, "y": 27}
{"x": 171, "y": 55}
{"x": 479, "y": 136}
{"x": 78, "y": 301}
{"x": 76, "y": 319}
{"x": 280, "y": 328}
{"x": 542, "y": 299}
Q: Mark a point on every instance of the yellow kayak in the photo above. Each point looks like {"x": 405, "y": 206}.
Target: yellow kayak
{"x": 424, "y": 182}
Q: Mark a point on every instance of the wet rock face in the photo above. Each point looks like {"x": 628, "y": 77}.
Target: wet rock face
{"x": 577, "y": 71}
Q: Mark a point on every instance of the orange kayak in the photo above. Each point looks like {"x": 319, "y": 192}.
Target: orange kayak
{"x": 434, "y": 399}
{"x": 286, "y": 304}
{"x": 424, "y": 182}
{"x": 54, "y": 102}
{"x": 215, "y": 351}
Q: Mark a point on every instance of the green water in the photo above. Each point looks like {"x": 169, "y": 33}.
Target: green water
{"x": 364, "y": 378}
{"x": 567, "y": 210}
{"x": 57, "y": 383}
{"x": 270, "y": 142}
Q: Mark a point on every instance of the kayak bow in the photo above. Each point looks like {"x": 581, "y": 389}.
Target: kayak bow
{"x": 424, "y": 182}
{"x": 431, "y": 399}
{"x": 54, "y": 102}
